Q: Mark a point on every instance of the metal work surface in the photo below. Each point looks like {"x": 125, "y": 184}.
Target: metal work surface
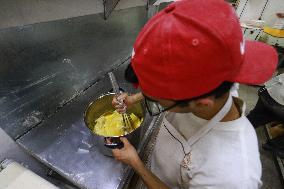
{"x": 65, "y": 144}
{"x": 46, "y": 65}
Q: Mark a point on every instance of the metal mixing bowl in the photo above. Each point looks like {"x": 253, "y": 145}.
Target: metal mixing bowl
{"x": 102, "y": 105}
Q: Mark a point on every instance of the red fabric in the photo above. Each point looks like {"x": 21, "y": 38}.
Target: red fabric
{"x": 192, "y": 46}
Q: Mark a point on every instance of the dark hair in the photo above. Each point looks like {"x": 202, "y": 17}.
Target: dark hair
{"x": 130, "y": 75}
{"x": 218, "y": 92}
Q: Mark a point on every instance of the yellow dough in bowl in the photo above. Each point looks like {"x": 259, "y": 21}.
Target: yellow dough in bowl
{"x": 111, "y": 124}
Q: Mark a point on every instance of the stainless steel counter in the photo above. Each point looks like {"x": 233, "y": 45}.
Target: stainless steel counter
{"x": 46, "y": 65}
{"x": 64, "y": 143}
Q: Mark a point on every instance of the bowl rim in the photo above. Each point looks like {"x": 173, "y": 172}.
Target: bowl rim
{"x": 101, "y": 96}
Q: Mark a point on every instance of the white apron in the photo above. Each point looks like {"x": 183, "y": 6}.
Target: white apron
{"x": 171, "y": 159}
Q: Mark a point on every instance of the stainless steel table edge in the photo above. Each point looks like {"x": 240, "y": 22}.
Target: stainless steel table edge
{"x": 155, "y": 123}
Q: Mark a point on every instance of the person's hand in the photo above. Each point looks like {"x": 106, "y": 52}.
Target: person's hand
{"x": 122, "y": 102}
{"x": 127, "y": 154}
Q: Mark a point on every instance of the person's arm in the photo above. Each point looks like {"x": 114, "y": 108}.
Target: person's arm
{"x": 129, "y": 155}
{"x": 150, "y": 180}
{"x": 128, "y": 101}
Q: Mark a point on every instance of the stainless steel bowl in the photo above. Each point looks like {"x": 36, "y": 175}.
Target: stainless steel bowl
{"x": 102, "y": 105}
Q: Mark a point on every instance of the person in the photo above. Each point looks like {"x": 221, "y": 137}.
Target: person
{"x": 184, "y": 61}
{"x": 270, "y": 109}
{"x": 270, "y": 104}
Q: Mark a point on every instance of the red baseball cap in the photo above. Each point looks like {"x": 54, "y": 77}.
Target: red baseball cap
{"x": 192, "y": 46}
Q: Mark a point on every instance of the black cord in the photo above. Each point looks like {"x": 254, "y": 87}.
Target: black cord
{"x": 176, "y": 139}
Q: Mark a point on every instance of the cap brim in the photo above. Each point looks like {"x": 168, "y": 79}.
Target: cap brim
{"x": 259, "y": 64}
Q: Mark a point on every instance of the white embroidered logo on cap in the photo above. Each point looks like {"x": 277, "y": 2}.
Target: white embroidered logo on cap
{"x": 242, "y": 47}
{"x": 133, "y": 53}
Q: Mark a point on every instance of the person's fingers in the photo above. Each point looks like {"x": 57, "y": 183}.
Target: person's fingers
{"x": 108, "y": 140}
{"x": 122, "y": 97}
{"x": 115, "y": 151}
{"x": 119, "y": 98}
{"x": 123, "y": 110}
{"x": 116, "y": 154}
{"x": 115, "y": 103}
{"x": 120, "y": 110}
{"x": 118, "y": 107}
{"x": 112, "y": 102}
{"x": 125, "y": 141}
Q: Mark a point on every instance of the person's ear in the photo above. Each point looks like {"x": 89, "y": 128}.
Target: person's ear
{"x": 208, "y": 102}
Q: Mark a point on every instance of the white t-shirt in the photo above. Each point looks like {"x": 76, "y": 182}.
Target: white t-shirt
{"x": 227, "y": 157}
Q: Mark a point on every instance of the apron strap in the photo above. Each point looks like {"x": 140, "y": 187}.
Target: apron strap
{"x": 206, "y": 128}
{"x": 186, "y": 162}
{"x": 186, "y": 144}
